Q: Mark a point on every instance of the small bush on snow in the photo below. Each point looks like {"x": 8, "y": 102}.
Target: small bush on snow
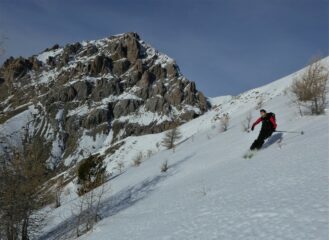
{"x": 138, "y": 159}
{"x": 164, "y": 166}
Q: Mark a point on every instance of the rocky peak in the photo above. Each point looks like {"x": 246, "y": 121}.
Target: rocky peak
{"x": 109, "y": 88}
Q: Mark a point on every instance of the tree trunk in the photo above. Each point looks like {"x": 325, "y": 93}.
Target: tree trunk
{"x": 25, "y": 235}
{"x": 316, "y": 107}
{"x": 11, "y": 232}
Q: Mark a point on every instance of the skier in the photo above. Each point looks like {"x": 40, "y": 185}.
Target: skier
{"x": 268, "y": 127}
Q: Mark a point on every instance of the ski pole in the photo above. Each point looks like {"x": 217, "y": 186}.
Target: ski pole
{"x": 301, "y": 132}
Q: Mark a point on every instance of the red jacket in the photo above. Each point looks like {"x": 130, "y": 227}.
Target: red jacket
{"x": 267, "y": 118}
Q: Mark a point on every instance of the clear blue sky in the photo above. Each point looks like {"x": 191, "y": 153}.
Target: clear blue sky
{"x": 225, "y": 46}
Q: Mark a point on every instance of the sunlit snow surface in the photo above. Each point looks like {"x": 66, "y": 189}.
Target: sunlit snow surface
{"x": 210, "y": 191}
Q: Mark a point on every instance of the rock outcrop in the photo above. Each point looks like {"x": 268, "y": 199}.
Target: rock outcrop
{"x": 103, "y": 87}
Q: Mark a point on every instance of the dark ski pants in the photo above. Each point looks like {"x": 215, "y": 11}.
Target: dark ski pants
{"x": 258, "y": 143}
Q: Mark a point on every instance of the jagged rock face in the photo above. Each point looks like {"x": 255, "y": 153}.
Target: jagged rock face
{"x": 104, "y": 87}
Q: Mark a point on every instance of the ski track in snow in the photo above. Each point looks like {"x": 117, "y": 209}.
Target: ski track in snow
{"x": 210, "y": 191}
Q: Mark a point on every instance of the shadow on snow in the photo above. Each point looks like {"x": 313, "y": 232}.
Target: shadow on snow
{"x": 114, "y": 204}
{"x": 273, "y": 139}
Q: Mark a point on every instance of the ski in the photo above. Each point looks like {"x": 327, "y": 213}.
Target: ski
{"x": 249, "y": 154}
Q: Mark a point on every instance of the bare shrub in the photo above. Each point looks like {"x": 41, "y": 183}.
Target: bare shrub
{"x": 309, "y": 89}
{"x": 164, "y": 166}
{"x": 138, "y": 159}
{"x": 120, "y": 166}
{"x": 149, "y": 153}
{"x": 171, "y": 137}
{"x": 58, "y": 191}
{"x": 87, "y": 210}
{"x": 260, "y": 103}
{"x": 246, "y": 123}
{"x": 224, "y": 122}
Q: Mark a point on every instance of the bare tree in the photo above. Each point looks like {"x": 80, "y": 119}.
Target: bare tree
{"x": 21, "y": 190}
{"x": 91, "y": 177}
{"x": 171, "y": 137}
{"x": 246, "y": 123}
{"x": 224, "y": 122}
{"x": 310, "y": 89}
{"x": 87, "y": 209}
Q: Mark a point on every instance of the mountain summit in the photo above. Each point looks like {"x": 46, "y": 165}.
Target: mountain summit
{"x": 83, "y": 96}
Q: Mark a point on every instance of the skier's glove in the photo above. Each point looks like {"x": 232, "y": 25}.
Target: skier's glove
{"x": 252, "y": 128}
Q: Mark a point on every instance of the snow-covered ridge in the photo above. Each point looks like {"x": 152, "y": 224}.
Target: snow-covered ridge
{"x": 152, "y": 53}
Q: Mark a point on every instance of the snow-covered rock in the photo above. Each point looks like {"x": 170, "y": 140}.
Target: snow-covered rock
{"x": 110, "y": 89}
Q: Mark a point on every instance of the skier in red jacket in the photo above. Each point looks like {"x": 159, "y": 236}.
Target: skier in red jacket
{"x": 268, "y": 127}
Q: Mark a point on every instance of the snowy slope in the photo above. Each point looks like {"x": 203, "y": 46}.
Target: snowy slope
{"x": 210, "y": 191}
